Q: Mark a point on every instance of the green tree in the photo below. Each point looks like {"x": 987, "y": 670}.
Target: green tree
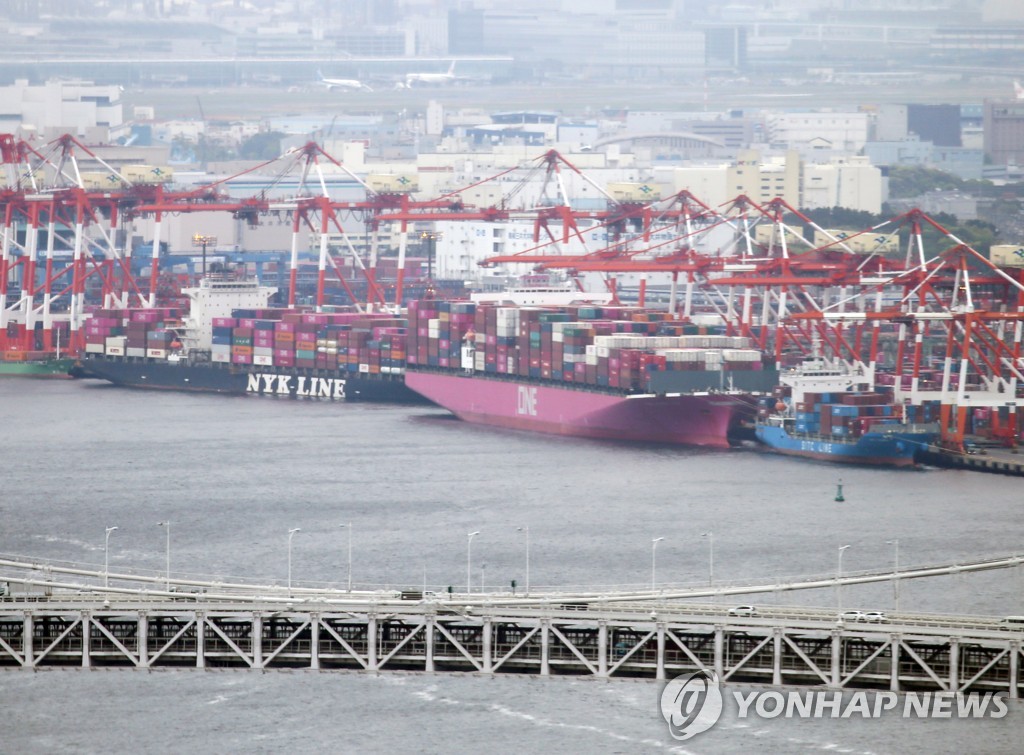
{"x": 265, "y": 145}
{"x": 908, "y": 181}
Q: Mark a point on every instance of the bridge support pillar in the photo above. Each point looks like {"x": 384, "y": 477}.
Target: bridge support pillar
{"x": 837, "y": 656}
{"x": 777, "y": 657}
{"x": 545, "y": 648}
{"x": 486, "y": 661}
{"x": 28, "y": 652}
{"x": 200, "y": 640}
{"x": 602, "y": 649}
{"x": 371, "y": 643}
{"x": 314, "y": 641}
{"x": 256, "y": 638}
{"x": 142, "y": 637}
{"x": 954, "y": 665}
{"x": 894, "y": 654}
{"x": 86, "y": 637}
{"x": 428, "y": 634}
{"x": 720, "y": 651}
{"x": 659, "y": 672}
{"x": 1014, "y": 691}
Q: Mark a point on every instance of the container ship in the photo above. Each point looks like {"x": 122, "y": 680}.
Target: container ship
{"x": 33, "y": 364}
{"x": 231, "y": 342}
{"x": 829, "y": 413}
{"x": 594, "y": 371}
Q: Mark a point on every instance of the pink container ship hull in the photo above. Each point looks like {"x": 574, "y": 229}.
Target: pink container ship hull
{"x": 688, "y": 419}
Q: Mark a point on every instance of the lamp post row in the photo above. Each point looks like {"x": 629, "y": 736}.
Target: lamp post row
{"x": 526, "y": 531}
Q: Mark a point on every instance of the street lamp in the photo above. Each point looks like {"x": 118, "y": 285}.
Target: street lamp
{"x": 839, "y": 578}
{"x": 291, "y": 534}
{"x": 526, "y": 530}
{"x": 654, "y": 563}
{"x": 469, "y": 560}
{"x": 202, "y": 240}
{"x": 106, "y": 557}
{"x": 167, "y": 526}
{"x": 349, "y": 528}
{"x": 896, "y": 571}
{"x": 711, "y": 556}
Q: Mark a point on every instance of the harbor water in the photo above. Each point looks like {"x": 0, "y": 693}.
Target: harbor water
{"x": 233, "y": 475}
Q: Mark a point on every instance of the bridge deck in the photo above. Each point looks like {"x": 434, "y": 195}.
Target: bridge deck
{"x": 61, "y": 615}
{"x": 779, "y": 646}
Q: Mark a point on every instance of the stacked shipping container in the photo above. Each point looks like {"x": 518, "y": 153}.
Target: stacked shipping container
{"x": 342, "y": 341}
{"x": 131, "y": 332}
{"x": 610, "y": 347}
{"x": 844, "y": 415}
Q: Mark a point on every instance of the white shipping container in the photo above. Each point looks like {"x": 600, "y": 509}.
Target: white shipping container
{"x": 264, "y": 360}
{"x": 94, "y": 348}
{"x": 220, "y": 357}
{"x": 364, "y": 368}
{"x": 135, "y": 351}
{"x": 507, "y": 316}
{"x": 115, "y": 351}
{"x": 740, "y": 355}
{"x": 682, "y": 355}
{"x": 116, "y": 341}
{"x": 156, "y": 353}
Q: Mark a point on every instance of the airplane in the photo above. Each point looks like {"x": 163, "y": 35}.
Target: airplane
{"x": 1018, "y": 90}
{"x": 428, "y": 78}
{"x": 333, "y": 84}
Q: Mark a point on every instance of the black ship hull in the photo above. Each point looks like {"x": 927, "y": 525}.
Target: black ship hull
{"x": 241, "y": 380}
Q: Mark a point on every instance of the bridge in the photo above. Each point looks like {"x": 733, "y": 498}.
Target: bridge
{"x": 89, "y": 623}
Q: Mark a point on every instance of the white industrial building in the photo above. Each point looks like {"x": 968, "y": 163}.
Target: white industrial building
{"x": 819, "y": 131}
{"x": 852, "y": 182}
{"x": 82, "y": 109}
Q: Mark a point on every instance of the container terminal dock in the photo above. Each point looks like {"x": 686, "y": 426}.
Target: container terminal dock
{"x": 994, "y": 460}
{"x": 52, "y": 615}
{"x": 934, "y": 323}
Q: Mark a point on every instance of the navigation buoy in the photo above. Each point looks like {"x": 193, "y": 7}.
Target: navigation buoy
{"x": 839, "y": 492}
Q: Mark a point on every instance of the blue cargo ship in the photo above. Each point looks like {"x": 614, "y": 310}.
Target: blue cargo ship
{"x": 893, "y": 445}
{"x": 830, "y": 413}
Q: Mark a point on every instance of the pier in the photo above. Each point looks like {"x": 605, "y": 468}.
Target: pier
{"x": 993, "y": 460}
{"x": 46, "y": 623}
